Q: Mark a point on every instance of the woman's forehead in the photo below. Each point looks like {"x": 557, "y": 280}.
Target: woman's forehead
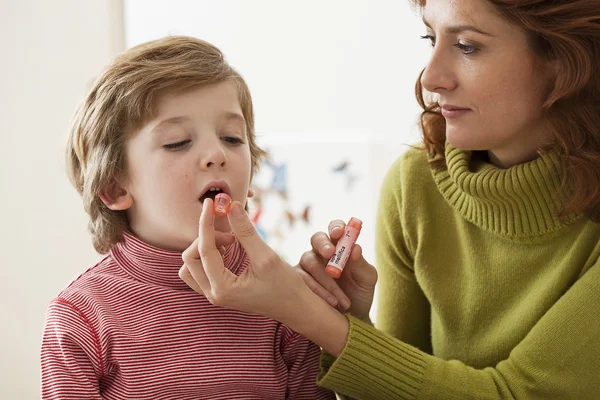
{"x": 476, "y": 13}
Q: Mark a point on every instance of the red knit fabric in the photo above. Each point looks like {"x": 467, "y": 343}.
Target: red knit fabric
{"x": 129, "y": 328}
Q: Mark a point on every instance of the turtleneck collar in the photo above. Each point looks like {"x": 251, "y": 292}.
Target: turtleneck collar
{"x": 155, "y": 266}
{"x": 518, "y": 203}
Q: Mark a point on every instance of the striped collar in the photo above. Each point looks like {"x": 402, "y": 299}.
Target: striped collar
{"x": 155, "y": 266}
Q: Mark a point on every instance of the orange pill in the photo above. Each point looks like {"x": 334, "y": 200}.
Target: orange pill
{"x": 222, "y": 204}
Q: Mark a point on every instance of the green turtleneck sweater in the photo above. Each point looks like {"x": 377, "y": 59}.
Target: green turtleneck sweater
{"x": 483, "y": 292}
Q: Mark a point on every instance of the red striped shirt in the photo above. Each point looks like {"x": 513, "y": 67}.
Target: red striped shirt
{"x": 129, "y": 328}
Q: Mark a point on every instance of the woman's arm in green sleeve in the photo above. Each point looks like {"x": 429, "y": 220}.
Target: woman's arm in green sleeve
{"x": 558, "y": 359}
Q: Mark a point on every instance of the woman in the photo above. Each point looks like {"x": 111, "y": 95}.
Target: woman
{"x": 488, "y": 242}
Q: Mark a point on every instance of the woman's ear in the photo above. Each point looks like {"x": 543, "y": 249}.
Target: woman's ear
{"x": 116, "y": 198}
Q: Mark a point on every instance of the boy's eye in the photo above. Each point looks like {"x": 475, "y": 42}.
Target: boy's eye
{"x": 232, "y": 140}
{"x": 430, "y": 38}
{"x": 177, "y": 145}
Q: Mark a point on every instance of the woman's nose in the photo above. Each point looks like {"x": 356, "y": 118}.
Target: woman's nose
{"x": 438, "y": 75}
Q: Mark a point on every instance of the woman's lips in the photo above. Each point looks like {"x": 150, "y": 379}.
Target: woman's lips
{"x": 450, "y": 112}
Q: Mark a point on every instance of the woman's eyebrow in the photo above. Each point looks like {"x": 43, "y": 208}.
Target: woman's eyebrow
{"x": 460, "y": 28}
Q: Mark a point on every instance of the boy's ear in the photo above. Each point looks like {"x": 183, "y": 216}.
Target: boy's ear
{"x": 116, "y": 198}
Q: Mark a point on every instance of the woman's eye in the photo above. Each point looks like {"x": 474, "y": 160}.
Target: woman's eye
{"x": 430, "y": 38}
{"x": 232, "y": 140}
{"x": 466, "y": 49}
{"x": 177, "y": 145}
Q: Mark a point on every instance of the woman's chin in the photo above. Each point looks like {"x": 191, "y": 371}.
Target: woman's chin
{"x": 463, "y": 140}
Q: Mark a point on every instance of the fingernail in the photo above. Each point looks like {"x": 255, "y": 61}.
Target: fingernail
{"x": 345, "y": 303}
{"x": 236, "y": 209}
{"x": 326, "y": 248}
{"x": 336, "y": 229}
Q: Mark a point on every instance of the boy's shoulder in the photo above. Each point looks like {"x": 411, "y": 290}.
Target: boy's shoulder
{"x": 92, "y": 284}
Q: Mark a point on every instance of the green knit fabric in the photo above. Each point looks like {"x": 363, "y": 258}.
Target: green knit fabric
{"x": 483, "y": 292}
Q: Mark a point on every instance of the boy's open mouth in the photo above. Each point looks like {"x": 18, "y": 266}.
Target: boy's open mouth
{"x": 212, "y": 193}
{"x": 213, "y": 188}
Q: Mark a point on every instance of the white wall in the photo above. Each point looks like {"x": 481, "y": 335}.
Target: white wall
{"x": 50, "y": 51}
{"x": 336, "y": 66}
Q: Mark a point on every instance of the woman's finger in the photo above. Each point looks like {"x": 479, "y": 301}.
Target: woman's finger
{"x": 223, "y": 239}
{"x": 191, "y": 257}
{"x": 212, "y": 262}
{"x": 316, "y": 287}
{"x": 363, "y": 274}
{"x": 356, "y": 253}
{"x": 315, "y": 267}
{"x": 191, "y": 253}
{"x": 186, "y": 276}
{"x": 322, "y": 245}
{"x": 336, "y": 229}
{"x": 259, "y": 253}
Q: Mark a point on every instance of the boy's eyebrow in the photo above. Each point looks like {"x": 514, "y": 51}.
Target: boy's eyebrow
{"x": 460, "y": 28}
{"x": 174, "y": 120}
{"x": 181, "y": 119}
{"x": 235, "y": 116}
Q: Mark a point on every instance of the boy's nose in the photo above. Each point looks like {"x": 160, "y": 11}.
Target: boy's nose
{"x": 215, "y": 158}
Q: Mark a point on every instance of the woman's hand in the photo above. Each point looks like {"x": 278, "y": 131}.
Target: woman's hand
{"x": 354, "y": 290}
{"x": 269, "y": 286}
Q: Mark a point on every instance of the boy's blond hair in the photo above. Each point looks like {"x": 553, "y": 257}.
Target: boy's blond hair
{"x": 121, "y": 100}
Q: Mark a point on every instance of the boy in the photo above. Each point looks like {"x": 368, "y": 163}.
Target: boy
{"x": 167, "y": 125}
